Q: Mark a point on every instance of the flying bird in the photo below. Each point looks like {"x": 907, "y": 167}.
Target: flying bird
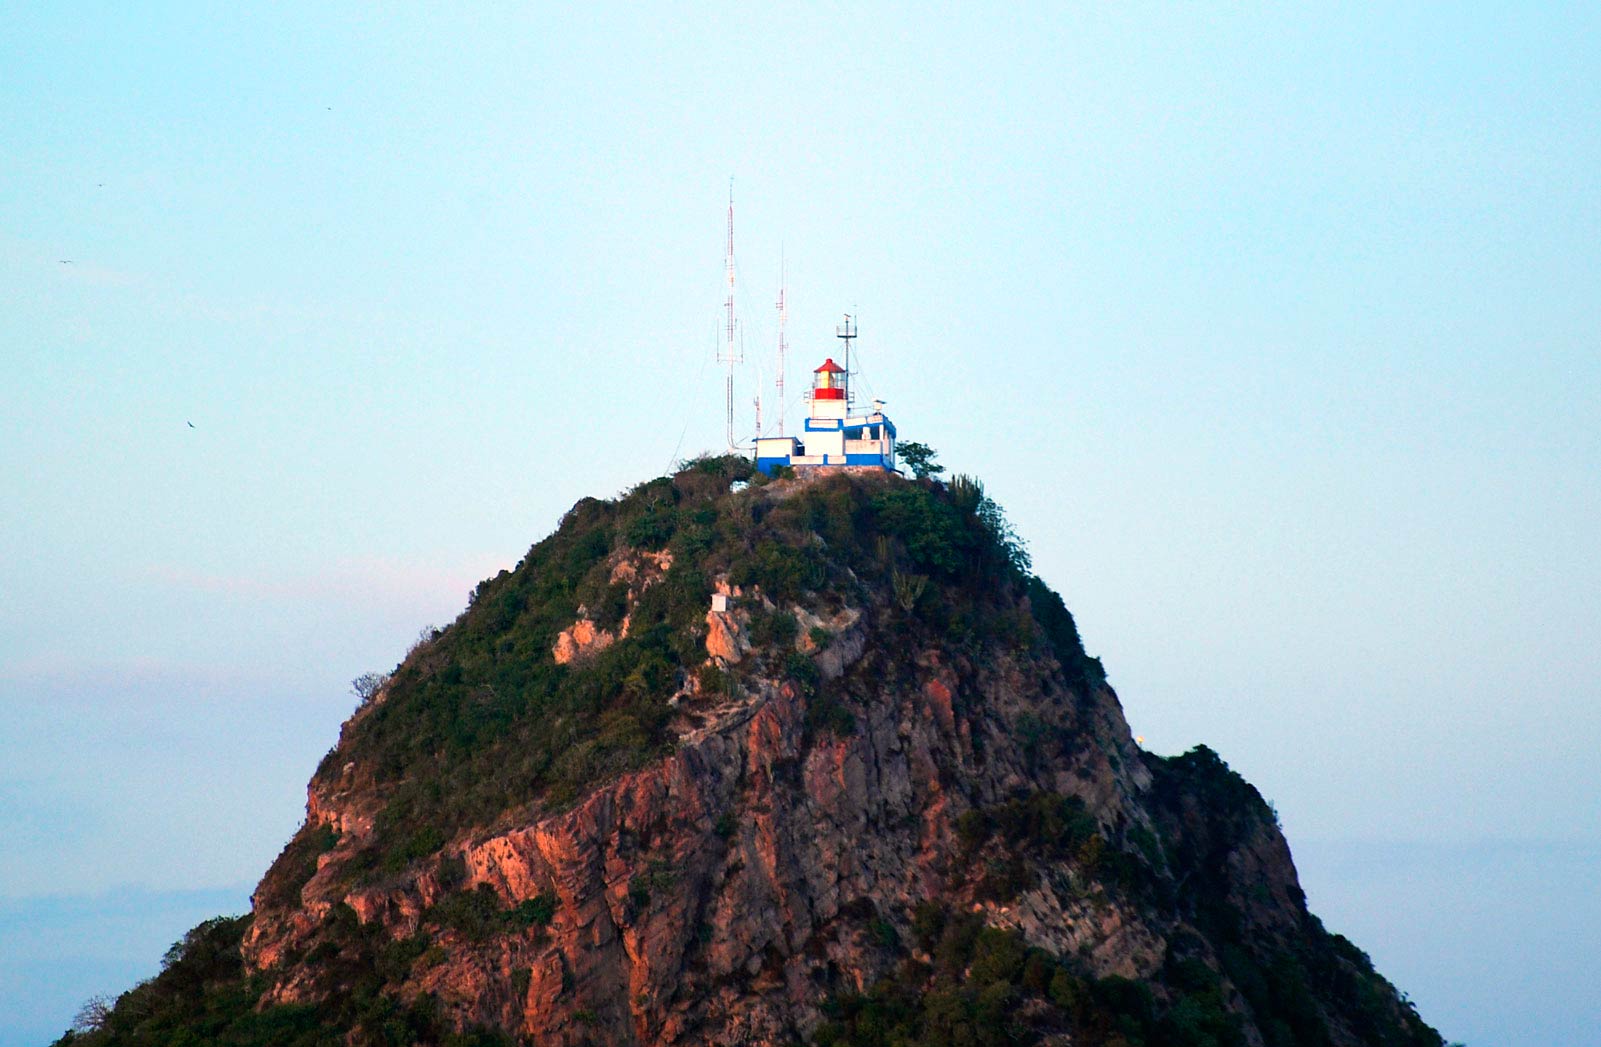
{"x": 65, "y": 261}
{"x": 191, "y": 425}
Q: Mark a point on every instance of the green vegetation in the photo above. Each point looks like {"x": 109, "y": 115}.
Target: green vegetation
{"x": 1042, "y": 830}
{"x": 1202, "y": 775}
{"x": 773, "y": 629}
{"x": 537, "y": 911}
{"x": 1051, "y": 825}
{"x": 1061, "y": 633}
{"x": 480, "y": 719}
{"x": 478, "y": 914}
{"x": 297, "y": 864}
{"x": 657, "y": 877}
{"x": 202, "y": 998}
{"x": 1290, "y": 985}
{"x": 985, "y": 987}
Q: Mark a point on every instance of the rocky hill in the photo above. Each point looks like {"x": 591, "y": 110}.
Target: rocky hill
{"x": 729, "y": 760}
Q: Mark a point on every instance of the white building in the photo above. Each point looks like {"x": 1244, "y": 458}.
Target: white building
{"x": 833, "y": 436}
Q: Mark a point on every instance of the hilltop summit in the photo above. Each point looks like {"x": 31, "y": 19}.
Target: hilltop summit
{"x": 733, "y": 759}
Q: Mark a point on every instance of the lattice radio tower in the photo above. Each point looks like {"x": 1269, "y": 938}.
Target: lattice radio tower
{"x": 731, "y": 352}
{"x": 783, "y": 342}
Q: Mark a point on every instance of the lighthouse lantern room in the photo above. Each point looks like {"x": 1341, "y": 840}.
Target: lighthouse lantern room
{"x": 833, "y": 437}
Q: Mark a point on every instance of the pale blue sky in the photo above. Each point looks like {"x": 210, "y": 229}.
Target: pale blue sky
{"x": 1275, "y": 330}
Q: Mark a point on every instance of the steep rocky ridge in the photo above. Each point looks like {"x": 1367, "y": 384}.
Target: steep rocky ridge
{"x": 811, "y": 761}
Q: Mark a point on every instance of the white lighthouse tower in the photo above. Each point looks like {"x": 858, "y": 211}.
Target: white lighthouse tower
{"x": 833, "y": 437}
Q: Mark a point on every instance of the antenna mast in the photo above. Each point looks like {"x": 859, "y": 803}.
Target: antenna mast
{"x": 731, "y": 353}
{"x": 783, "y": 343}
{"x": 846, "y": 332}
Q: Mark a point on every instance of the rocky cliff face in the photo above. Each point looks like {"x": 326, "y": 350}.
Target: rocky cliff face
{"x": 723, "y": 888}
{"x": 861, "y": 786}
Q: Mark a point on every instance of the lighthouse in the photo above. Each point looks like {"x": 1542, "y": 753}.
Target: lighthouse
{"x": 833, "y": 437}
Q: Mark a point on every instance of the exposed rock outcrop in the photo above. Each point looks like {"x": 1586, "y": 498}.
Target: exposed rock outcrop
{"x": 580, "y": 639}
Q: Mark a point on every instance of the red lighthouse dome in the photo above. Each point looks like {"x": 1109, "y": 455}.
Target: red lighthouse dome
{"x": 828, "y": 382}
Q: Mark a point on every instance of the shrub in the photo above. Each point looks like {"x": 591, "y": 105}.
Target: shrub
{"x": 537, "y": 911}
{"x": 605, "y": 601}
{"x": 928, "y": 528}
{"x": 394, "y": 960}
{"x": 828, "y": 715}
{"x": 1056, "y": 623}
{"x": 653, "y": 528}
{"x": 804, "y": 672}
{"x": 421, "y": 843}
{"x": 786, "y": 573}
{"x": 1001, "y": 537}
{"x": 452, "y": 871}
{"x": 296, "y": 864}
{"x": 712, "y": 680}
{"x": 773, "y": 629}
{"x": 474, "y": 914}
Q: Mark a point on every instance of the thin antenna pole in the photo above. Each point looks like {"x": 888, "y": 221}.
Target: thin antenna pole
{"x": 783, "y": 343}
{"x": 847, "y": 332}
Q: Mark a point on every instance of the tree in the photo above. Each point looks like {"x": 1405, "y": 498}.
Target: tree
{"x": 919, "y": 458}
{"x": 366, "y": 686}
{"x": 93, "y": 1015}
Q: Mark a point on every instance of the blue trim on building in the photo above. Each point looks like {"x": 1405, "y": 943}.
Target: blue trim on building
{"x": 768, "y": 464}
{"x": 831, "y": 425}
